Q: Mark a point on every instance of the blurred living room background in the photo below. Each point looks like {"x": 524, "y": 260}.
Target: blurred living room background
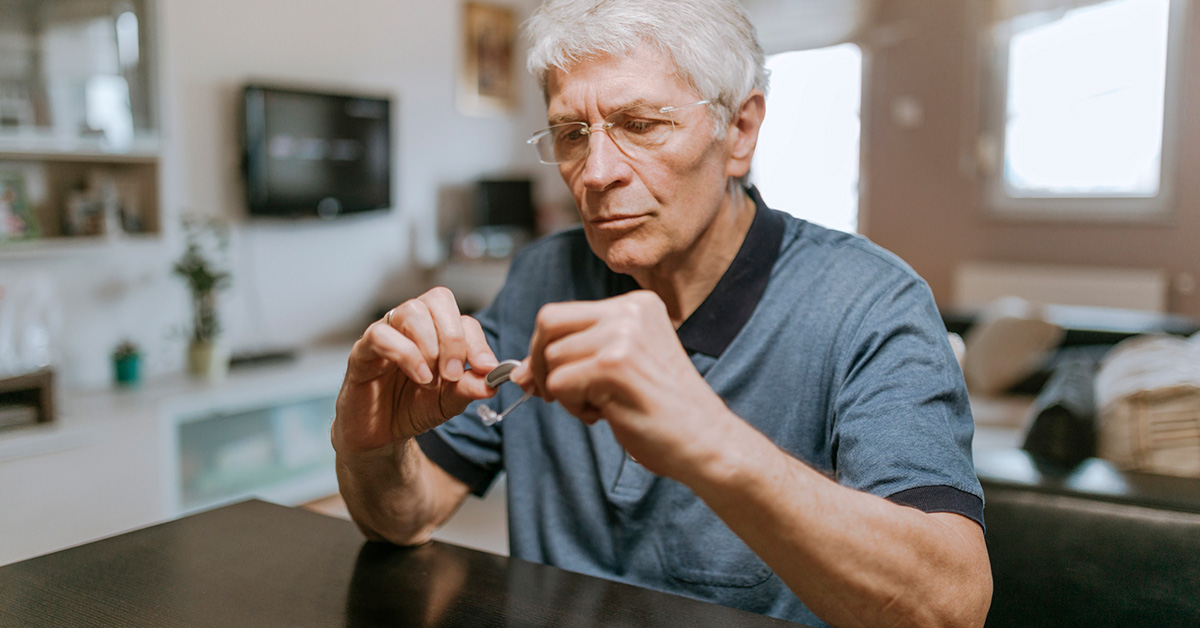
{"x": 203, "y": 204}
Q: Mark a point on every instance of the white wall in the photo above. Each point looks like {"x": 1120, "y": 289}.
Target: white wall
{"x": 295, "y": 282}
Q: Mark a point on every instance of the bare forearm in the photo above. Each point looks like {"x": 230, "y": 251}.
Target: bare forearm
{"x": 853, "y": 558}
{"x": 396, "y": 494}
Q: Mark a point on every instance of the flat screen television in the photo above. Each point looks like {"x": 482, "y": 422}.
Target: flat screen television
{"x": 505, "y": 203}
{"x": 309, "y": 153}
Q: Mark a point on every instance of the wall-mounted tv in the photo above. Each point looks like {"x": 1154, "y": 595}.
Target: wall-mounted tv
{"x": 310, "y": 153}
{"x": 505, "y": 203}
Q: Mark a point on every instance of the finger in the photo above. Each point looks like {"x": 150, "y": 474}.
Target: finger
{"x": 522, "y": 376}
{"x": 554, "y": 321}
{"x": 563, "y": 318}
{"x": 473, "y": 384}
{"x": 382, "y": 342}
{"x": 579, "y": 389}
{"x": 479, "y": 352}
{"x": 456, "y": 396}
{"x": 413, "y": 320}
{"x": 470, "y": 388}
{"x": 452, "y": 341}
{"x": 589, "y": 415}
{"x": 576, "y": 346}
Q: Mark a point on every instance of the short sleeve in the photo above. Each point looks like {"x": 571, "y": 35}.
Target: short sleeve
{"x": 902, "y": 424}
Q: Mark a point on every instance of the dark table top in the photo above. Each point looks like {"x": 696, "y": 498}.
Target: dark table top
{"x": 259, "y": 564}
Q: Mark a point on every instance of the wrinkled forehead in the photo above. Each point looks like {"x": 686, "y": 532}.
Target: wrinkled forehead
{"x": 605, "y": 83}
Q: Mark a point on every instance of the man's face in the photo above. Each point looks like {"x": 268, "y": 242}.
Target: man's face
{"x": 640, "y": 208}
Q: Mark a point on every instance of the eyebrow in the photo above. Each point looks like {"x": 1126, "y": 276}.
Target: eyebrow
{"x": 566, "y": 118}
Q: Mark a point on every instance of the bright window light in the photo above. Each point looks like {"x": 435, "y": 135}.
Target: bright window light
{"x": 806, "y": 162}
{"x": 1085, "y": 103}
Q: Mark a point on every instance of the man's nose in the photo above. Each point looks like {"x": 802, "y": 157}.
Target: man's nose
{"x": 605, "y": 164}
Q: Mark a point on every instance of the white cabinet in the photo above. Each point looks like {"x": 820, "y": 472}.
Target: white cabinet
{"x": 266, "y": 438}
{"x": 117, "y": 460}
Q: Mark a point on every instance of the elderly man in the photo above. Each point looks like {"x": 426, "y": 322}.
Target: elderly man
{"x": 731, "y": 404}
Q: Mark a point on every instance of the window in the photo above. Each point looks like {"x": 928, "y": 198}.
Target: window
{"x": 806, "y": 162}
{"x": 1084, "y": 112}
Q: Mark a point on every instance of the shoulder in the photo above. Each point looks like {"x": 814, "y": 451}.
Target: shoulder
{"x": 847, "y": 285}
{"x": 808, "y": 246}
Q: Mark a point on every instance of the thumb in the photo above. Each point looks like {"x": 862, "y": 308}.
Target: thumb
{"x": 456, "y": 396}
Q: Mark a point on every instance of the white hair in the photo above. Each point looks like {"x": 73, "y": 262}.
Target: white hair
{"x": 711, "y": 42}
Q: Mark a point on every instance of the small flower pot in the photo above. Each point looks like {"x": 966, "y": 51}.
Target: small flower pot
{"x": 127, "y": 370}
{"x": 208, "y": 360}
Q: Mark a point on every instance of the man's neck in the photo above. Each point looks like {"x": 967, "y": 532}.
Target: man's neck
{"x": 685, "y": 281}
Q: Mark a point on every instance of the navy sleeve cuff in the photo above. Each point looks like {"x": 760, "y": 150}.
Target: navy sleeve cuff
{"x": 475, "y": 477}
{"x": 942, "y": 499}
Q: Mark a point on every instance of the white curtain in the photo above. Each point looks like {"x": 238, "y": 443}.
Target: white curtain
{"x": 785, "y": 25}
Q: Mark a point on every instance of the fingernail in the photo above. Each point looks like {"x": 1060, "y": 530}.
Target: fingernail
{"x": 424, "y": 375}
{"x": 454, "y": 370}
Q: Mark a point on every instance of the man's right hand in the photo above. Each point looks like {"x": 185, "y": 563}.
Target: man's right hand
{"x": 407, "y": 375}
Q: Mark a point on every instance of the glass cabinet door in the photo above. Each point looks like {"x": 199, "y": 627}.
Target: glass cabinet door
{"x": 77, "y": 73}
{"x": 79, "y": 151}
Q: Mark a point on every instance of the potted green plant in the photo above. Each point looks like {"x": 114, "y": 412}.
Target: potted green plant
{"x": 200, "y": 269}
{"x": 126, "y": 358}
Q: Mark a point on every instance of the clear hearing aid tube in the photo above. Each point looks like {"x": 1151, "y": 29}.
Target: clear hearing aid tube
{"x": 493, "y": 379}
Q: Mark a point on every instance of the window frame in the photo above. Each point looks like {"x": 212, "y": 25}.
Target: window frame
{"x": 1082, "y": 207}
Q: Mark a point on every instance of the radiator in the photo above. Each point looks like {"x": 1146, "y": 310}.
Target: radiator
{"x": 979, "y": 283}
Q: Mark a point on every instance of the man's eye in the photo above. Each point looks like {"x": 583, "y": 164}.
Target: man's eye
{"x": 572, "y": 135}
{"x": 640, "y": 125}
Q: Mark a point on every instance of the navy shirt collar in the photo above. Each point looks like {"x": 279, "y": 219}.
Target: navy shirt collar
{"x": 713, "y": 326}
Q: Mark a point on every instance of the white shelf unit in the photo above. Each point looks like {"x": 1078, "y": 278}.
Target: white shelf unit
{"x": 51, "y": 177}
{"x": 80, "y": 134}
{"x": 113, "y": 459}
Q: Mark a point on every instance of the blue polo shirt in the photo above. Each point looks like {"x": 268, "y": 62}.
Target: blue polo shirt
{"x": 824, "y": 342}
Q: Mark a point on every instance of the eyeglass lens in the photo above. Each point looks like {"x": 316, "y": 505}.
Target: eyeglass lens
{"x": 637, "y": 128}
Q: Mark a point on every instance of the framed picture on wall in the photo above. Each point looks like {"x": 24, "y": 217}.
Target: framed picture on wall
{"x": 17, "y": 218}
{"x": 487, "y": 81}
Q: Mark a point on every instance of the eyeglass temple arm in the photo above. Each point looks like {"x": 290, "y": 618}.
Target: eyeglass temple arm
{"x": 671, "y": 109}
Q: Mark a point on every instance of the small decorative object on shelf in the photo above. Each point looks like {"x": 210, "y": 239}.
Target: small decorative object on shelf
{"x": 27, "y": 399}
{"x": 17, "y": 218}
{"x": 127, "y": 360}
{"x": 200, "y": 267}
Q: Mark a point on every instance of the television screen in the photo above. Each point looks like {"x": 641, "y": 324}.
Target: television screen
{"x": 316, "y": 154}
{"x": 505, "y": 203}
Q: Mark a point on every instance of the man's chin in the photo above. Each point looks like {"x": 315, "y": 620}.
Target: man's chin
{"x": 626, "y": 253}
{"x": 626, "y": 260}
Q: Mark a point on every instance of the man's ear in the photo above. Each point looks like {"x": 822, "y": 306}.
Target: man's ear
{"x": 742, "y": 135}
